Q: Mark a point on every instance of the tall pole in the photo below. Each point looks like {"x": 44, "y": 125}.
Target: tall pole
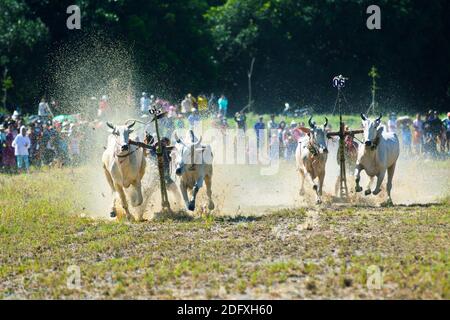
{"x": 374, "y": 75}
{"x": 343, "y": 190}
{"x": 249, "y": 75}
{"x": 339, "y": 83}
{"x": 157, "y": 113}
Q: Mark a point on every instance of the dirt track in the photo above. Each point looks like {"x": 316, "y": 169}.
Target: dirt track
{"x": 327, "y": 251}
{"x": 242, "y": 189}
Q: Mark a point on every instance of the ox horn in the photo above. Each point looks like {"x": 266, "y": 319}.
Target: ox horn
{"x": 109, "y": 124}
{"x": 379, "y": 118}
{"x": 312, "y": 125}
{"x": 177, "y": 139}
{"x": 326, "y": 122}
{"x": 131, "y": 125}
{"x": 363, "y": 116}
{"x": 192, "y": 136}
{"x": 199, "y": 141}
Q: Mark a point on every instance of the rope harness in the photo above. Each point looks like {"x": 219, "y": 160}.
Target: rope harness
{"x": 312, "y": 149}
{"x": 123, "y": 155}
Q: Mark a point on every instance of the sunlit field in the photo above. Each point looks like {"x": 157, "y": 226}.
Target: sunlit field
{"x": 356, "y": 251}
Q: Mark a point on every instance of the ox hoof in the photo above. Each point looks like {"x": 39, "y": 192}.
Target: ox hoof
{"x": 358, "y": 189}
{"x": 315, "y": 187}
{"x": 375, "y": 192}
{"x": 191, "y": 206}
{"x": 387, "y": 203}
{"x": 113, "y": 214}
{"x": 318, "y": 201}
{"x": 367, "y": 192}
{"x": 211, "y": 205}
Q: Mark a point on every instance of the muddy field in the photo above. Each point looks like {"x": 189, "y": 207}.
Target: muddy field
{"x": 250, "y": 190}
{"x": 262, "y": 241}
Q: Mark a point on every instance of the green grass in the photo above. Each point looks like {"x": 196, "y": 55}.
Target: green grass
{"x": 352, "y": 120}
{"x": 42, "y": 234}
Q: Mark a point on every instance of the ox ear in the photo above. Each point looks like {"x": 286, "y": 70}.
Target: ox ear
{"x": 363, "y": 116}
{"x": 326, "y": 122}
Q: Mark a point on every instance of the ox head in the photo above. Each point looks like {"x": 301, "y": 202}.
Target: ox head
{"x": 122, "y": 135}
{"x": 317, "y": 135}
{"x": 186, "y": 153}
{"x": 370, "y": 129}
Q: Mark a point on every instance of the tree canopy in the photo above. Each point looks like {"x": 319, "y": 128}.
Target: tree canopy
{"x": 207, "y": 46}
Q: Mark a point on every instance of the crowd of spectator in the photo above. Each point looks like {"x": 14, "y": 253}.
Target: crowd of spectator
{"x": 425, "y": 135}
{"x": 44, "y": 139}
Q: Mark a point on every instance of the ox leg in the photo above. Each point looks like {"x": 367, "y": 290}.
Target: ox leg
{"x": 302, "y": 182}
{"x": 368, "y": 190}
{"x": 315, "y": 187}
{"x": 123, "y": 199}
{"x": 208, "y": 182}
{"x": 197, "y": 186}
{"x": 184, "y": 193}
{"x": 390, "y": 176}
{"x": 319, "y": 189}
{"x": 337, "y": 185}
{"x": 139, "y": 201}
{"x": 137, "y": 198}
{"x": 380, "y": 179}
{"x": 172, "y": 187}
{"x": 358, "y": 177}
{"x": 191, "y": 204}
{"x": 112, "y": 213}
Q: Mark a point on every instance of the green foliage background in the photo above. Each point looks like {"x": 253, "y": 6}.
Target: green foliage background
{"x": 207, "y": 45}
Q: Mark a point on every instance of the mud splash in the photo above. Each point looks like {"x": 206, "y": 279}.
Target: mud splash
{"x": 99, "y": 67}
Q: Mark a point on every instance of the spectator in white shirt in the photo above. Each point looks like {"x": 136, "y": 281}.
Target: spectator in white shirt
{"x": 145, "y": 103}
{"x": 43, "y": 109}
{"x": 392, "y": 123}
{"x": 21, "y": 145}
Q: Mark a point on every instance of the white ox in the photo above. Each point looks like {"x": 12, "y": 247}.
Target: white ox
{"x": 311, "y": 156}
{"x": 379, "y": 153}
{"x": 124, "y": 167}
{"x": 193, "y": 166}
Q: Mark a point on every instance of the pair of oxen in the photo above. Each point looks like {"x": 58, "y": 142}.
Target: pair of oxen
{"x": 376, "y": 156}
{"x": 124, "y": 163}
